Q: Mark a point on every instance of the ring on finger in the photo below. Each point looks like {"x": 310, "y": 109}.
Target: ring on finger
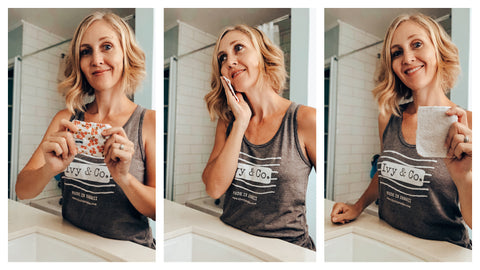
{"x": 121, "y": 147}
{"x": 466, "y": 139}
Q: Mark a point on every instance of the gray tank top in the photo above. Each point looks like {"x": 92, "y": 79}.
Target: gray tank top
{"x": 267, "y": 195}
{"x": 94, "y": 202}
{"x": 416, "y": 194}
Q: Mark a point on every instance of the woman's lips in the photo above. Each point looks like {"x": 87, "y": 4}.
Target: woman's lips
{"x": 99, "y": 72}
{"x": 413, "y": 70}
{"x": 237, "y": 72}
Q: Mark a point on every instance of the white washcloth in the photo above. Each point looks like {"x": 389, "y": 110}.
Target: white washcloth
{"x": 432, "y": 129}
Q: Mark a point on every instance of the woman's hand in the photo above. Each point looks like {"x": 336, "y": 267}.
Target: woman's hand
{"x": 459, "y": 160}
{"x": 241, "y": 110}
{"x": 59, "y": 148}
{"x": 343, "y": 213}
{"x": 118, "y": 154}
{"x": 459, "y": 144}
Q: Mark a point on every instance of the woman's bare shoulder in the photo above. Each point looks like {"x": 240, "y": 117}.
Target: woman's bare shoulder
{"x": 150, "y": 117}
{"x": 222, "y": 124}
{"x": 382, "y": 123}
{"x": 63, "y": 114}
{"x": 306, "y": 116}
{"x": 148, "y": 126}
{"x": 383, "y": 119}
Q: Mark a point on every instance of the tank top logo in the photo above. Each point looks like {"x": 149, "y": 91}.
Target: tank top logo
{"x": 86, "y": 181}
{"x": 406, "y": 174}
{"x": 403, "y": 179}
{"x": 256, "y": 174}
{"x": 90, "y": 172}
{"x": 254, "y": 177}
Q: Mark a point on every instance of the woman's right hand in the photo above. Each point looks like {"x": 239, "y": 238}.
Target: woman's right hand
{"x": 241, "y": 110}
{"x": 343, "y": 213}
{"x": 59, "y": 148}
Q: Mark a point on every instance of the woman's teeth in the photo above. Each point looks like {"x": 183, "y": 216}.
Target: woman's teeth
{"x": 413, "y": 70}
{"x": 236, "y": 73}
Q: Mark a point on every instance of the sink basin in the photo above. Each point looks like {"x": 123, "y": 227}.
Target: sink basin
{"x": 38, "y": 247}
{"x": 352, "y": 247}
{"x": 192, "y": 247}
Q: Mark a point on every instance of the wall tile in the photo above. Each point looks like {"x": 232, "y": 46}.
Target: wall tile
{"x": 192, "y": 118}
{"x": 357, "y": 131}
{"x": 39, "y": 100}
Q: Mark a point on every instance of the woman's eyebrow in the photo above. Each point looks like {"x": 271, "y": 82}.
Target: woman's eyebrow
{"x": 395, "y": 46}
{"x": 105, "y": 37}
{"x": 408, "y": 38}
{"x": 100, "y": 39}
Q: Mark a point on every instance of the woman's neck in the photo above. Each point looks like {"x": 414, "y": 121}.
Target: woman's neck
{"x": 264, "y": 101}
{"x": 430, "y": 97}
{"x": 108, "y": 105}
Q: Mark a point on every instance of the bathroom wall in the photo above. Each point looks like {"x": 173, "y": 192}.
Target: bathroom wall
{"x": 15, "y": 40}
{"x": 144, "y": 34}
{"x": 461, "y": 93}
{"x": 194, "y": 131}
{"x": 331, "y": 42}
{"x": 285, "y": 44}
{"x": 40, "y": 100}
{"x": 170, "y": 42}
{"x": 357, "y": 137}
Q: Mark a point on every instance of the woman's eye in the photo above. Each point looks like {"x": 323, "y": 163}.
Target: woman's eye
{"x": 222, "y": 58}
{"x": 417, "y": 44}
{"x": 396, "y": 53}
{"x": 107, "y": 47}
{"x": 84, "y": 52}
{"x": 238, "y": 47}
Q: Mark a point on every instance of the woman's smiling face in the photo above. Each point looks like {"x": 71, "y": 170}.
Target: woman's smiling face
{"x": 101, "y": 56}
{"x": 413, "y": 56}
{"x": 238, "y": 60}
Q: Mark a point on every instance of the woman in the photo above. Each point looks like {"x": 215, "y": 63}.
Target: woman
{"x": 264, "y": 144}
{"x": 419, "y": 61}
{"x": 111, "y": 196}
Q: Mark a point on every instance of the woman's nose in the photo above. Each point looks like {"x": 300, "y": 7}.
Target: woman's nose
{"x": 97, "y": 58}
{"x": 408, "y": 57}
{"x": 232, "y": 61}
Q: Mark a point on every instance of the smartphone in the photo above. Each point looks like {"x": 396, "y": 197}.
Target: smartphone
{"x": 89, "y": 139}
{"x": 231, "y": 88}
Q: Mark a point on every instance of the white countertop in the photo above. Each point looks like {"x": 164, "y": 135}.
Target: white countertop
{"x": 24, "y": 219}
{"x": 206, "y": 205}
{"x": 375, "y": 228}
{"x": 51, "y": 205}
{"x": 180, "y": 219}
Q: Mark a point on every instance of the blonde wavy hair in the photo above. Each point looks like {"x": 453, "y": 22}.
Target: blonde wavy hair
{"x": 75, "y": 87}
{"x": 273, "y": 71}
{"x": 390, "y": 90}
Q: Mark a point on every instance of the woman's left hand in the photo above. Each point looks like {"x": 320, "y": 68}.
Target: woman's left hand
{"x": 459, "y": 145}
{"x": 118, "y": 154}
{"x": 459, "y": 160}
